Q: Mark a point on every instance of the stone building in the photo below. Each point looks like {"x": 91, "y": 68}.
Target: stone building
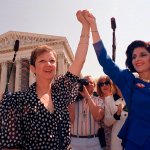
{"x": 21, "y": 76}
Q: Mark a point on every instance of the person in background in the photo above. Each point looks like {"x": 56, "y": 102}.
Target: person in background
{"x": 135, "y": 89}
{"x": 115, "y": 112}
{"x": 38, "y": 118}
{"x": 85, "y": 115}
{"x": 104, "y": 89}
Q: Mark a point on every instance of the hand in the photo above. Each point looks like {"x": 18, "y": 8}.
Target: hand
{"x": 81, "y": 18}
{"x": 89, "y": 17}
{"x": 119, "y": 109}
{"x": 85, "y": 93}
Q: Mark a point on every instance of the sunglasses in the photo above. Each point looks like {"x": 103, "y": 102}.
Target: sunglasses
{"x": 100, "y": 84}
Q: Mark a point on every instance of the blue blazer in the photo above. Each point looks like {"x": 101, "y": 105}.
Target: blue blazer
{"x": 137, "y": 126}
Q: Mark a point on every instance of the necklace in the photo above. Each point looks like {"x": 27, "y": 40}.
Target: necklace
{"x": 145, "y": 80}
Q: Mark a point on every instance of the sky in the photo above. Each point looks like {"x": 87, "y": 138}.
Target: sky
{"x": 58, "y": 17}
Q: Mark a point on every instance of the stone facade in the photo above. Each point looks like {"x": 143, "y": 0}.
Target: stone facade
{"x": 21, "y": 76}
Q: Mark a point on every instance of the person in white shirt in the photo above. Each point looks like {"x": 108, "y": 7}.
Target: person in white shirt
{"x": 115, "y": 112}
{"x": 85, "y": 115}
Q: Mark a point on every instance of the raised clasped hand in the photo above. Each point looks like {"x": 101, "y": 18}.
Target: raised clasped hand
{"x": 89, "y": 16}
{"x": 81, "y": 18}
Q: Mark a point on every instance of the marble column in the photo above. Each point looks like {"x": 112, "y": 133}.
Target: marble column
{"x": 31, "y": 77}
{"x": 3, "y": 77}
{"x": 61, "y": 66}
{"x": 24, "y": 74}
{"x": 18, "y": 76}
{"x": 66, "y": 65}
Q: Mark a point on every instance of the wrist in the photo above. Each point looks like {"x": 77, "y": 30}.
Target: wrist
{"x": 84, "y": 38}
{"x": 89, "y": 99}
{"x": 83, "y": 43}
{"x": 94, "y": 31}
{"x": 86, "y": 25}
{"x": 84, "y": 35}
{"x": 93, "y": 27}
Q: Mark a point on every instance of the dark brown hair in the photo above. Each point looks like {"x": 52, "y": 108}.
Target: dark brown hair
{"x": 129, "y": 52}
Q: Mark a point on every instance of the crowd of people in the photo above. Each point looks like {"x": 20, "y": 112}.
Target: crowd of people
{"x": 63, "y": 113}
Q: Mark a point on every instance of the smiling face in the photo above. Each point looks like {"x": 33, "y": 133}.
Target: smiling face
{"x": 43, "y": 63}
{"x": 90, "y": 87}
{"x": 104, "y": 86}
{"x": 137, "y": 51}
{"x": 141, "y": 60}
